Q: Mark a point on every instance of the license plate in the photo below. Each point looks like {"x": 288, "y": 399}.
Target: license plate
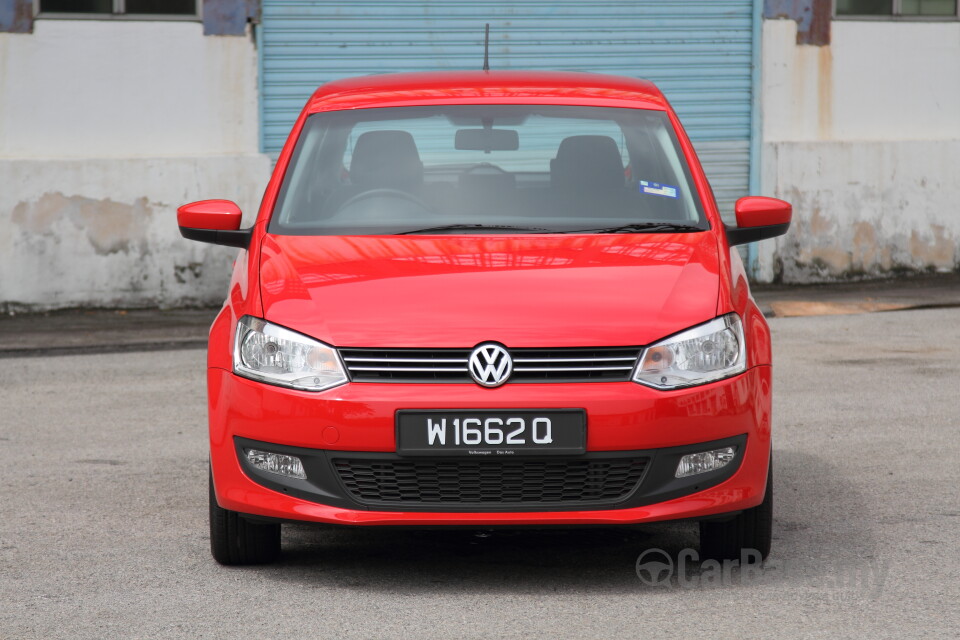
{"x": 492, "y": 433}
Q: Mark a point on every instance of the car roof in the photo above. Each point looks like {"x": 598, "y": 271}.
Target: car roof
{"x": 490, "y": 87}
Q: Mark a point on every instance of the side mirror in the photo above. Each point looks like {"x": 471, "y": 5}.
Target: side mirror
{"x": 213, "y": 221}
{"x": 759, "y": 218}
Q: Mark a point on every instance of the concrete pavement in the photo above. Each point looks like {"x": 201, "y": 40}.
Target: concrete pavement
{"x": 103, "y": 525}
{"x": 112, "y": 331}
{"x": 927, "y": 291}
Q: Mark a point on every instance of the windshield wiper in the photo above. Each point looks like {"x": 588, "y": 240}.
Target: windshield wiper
{"x": 470, "y": 227}
{"x": 644, "y": 227}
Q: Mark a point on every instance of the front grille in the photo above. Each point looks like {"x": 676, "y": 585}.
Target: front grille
{"x": 602, "y": 364}
{"x": 490, "y": 482}
{"x": 559, "y": 365}
{"x": 407, "y": 365}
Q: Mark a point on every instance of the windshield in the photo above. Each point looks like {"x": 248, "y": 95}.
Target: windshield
{"x": 487, "y": 169}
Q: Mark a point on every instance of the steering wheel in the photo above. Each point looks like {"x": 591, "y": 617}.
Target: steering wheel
{"x": 383, "y": 193}
{"x": 485, "y": 167}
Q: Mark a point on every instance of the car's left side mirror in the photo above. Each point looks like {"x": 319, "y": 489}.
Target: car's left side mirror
{"x": 759, "y": 218}
{"x": 214, "y": 221}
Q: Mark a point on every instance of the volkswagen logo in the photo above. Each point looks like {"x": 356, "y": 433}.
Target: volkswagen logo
{"x": 490, "y": 365}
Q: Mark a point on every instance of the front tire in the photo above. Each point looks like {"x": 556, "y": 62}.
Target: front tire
{"x": 751, "y": 530}
{"x": 236, "y": 541}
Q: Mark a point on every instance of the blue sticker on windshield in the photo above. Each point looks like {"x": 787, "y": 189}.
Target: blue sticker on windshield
{"x": 657, "y": 189}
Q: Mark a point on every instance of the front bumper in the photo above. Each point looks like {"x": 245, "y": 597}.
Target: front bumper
{"x": 357, "y": 421}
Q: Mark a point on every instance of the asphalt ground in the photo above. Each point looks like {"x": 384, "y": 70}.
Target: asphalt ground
{"x": 103, "y": 517}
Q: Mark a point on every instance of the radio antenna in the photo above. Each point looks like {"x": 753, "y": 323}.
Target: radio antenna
{"x": 486, "y": 48}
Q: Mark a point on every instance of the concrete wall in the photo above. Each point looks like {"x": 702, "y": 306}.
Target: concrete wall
{"x": 105, "y": 128}
{"x": 862, "y": 135}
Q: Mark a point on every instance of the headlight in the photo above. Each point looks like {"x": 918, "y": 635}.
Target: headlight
{"x": 705, "y": 353}
{"x": 267, "y": 352}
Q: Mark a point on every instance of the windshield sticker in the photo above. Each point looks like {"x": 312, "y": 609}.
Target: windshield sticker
{"x": 657, "y": 189}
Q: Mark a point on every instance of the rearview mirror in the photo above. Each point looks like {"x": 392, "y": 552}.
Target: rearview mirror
{"x": 759, "y": 218}
{"x": 487, "y": 140}
{"x": 213, "y": 221}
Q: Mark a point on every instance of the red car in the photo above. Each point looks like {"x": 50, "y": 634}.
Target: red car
{"x": 488, "y": 299}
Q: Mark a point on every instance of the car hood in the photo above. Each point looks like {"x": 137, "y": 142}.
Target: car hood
{"x": 458, "y": 291}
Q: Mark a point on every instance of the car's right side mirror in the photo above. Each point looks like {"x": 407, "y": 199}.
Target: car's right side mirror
{"x": 759, "y": 218}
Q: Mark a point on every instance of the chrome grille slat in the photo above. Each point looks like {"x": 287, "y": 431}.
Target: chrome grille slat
{"x": 544, "y": 365}
{"x": 442, "y": 369}
{"x": 531, "y": 369}
{"x": 408, "y": 360}
{"x": 521, "y": 360}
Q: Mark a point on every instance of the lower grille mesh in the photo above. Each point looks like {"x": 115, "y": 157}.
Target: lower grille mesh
{"x": 490, "y": 482}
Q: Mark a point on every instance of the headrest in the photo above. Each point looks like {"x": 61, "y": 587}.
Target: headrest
{"x": 386, "y": 160}
{"x": 591, "y": 162}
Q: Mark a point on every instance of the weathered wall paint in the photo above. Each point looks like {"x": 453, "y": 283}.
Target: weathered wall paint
{"x": 103, "y": 232}
{"x": 863, "y": 137}
{"x": 16, "y": 16}
{"x": 229, "y": 17}
{"x": 105, "y": 128}
{"x": 863, "y": 209}
{"x": 813, "y": 18}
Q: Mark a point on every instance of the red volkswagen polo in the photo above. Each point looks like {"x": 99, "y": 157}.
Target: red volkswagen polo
{"x": 486, "y": 299}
